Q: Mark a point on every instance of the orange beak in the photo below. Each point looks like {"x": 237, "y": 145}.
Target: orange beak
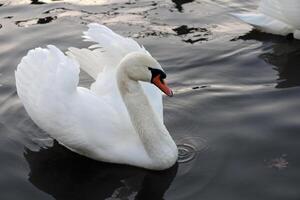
{"x": 162, "y": 85}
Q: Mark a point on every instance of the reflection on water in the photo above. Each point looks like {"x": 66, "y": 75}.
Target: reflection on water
{"x": 68, "y": 176}
{"x": 192, "y": 35}
{"x": 179, "y": 4}
{"x": 37, "y": 2}
{"x": 26, "y": 23}
{"x": 40, "y": 2}
{"x": 283, "y": 54}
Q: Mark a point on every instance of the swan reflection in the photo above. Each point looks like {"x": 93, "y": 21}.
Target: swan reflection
{"x": 66, "y": 175}
{"x": 284, "y": 55}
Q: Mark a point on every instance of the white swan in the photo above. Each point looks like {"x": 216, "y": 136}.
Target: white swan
{"x": 120, "y": 120}
{"x": 280, "y": 17}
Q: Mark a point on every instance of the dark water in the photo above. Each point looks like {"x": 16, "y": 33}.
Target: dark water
{"x": 236, "y": 94}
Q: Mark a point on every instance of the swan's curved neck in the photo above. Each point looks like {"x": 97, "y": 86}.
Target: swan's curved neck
{"x": 156, "y": 139}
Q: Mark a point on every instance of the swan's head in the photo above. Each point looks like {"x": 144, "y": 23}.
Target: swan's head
{"x": 143, "y": 67}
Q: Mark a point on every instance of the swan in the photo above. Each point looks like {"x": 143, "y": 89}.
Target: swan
{"x": 276, "y": 17}
{"x": 119, "y": 119}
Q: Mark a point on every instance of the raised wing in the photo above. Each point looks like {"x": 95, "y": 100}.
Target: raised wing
{"x": 107, "y": 53}
{"x": 46, "y": 83}
{"x": 101, "y": 60}
{"x": 44, "y": 73}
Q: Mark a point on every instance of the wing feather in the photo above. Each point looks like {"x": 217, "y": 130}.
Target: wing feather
{"x": 275, "y": 16}
{"x": 47, "y": 82}
{"x": 101, "y": 60}
{"x": 107, "y": 53}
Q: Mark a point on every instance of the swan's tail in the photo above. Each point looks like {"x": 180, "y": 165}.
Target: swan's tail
{"x": 275, "y": 16}
{"x": 45, "y": 73}
{"x": 265, "y": 23}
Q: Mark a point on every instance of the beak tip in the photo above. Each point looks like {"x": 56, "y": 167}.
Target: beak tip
{"x": 171, "y": 94}
{"x": 162, "y": 86}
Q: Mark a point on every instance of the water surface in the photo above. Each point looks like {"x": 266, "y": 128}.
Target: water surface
{"x": 236, "y": 94}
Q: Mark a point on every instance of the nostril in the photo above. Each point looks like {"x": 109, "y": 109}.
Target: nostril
{"x": 161, "y": 80}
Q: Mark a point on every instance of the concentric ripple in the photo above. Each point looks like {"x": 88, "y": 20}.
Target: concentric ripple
{"x": 188, "y": 148}
{"x": 186, "y": 153}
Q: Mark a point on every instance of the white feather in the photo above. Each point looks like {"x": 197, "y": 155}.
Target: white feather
{"x": 47, "y": 81}
{"x": 95, "y": 122}
{"x": 275, "y": 16}
{"x": 101, "y": 63}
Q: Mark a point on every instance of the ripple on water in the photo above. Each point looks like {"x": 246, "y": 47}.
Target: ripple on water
{"x": 186, "y": 153}
{"x": 189, "y": 148}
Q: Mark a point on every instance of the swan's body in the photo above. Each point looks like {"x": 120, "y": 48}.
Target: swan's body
{"x": 120, "y": 120}
{"x": 276, "y": 17}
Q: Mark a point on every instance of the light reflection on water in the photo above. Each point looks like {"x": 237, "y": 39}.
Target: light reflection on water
{"x": 236, "y": 92}
{"x": 82, "y": 2}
